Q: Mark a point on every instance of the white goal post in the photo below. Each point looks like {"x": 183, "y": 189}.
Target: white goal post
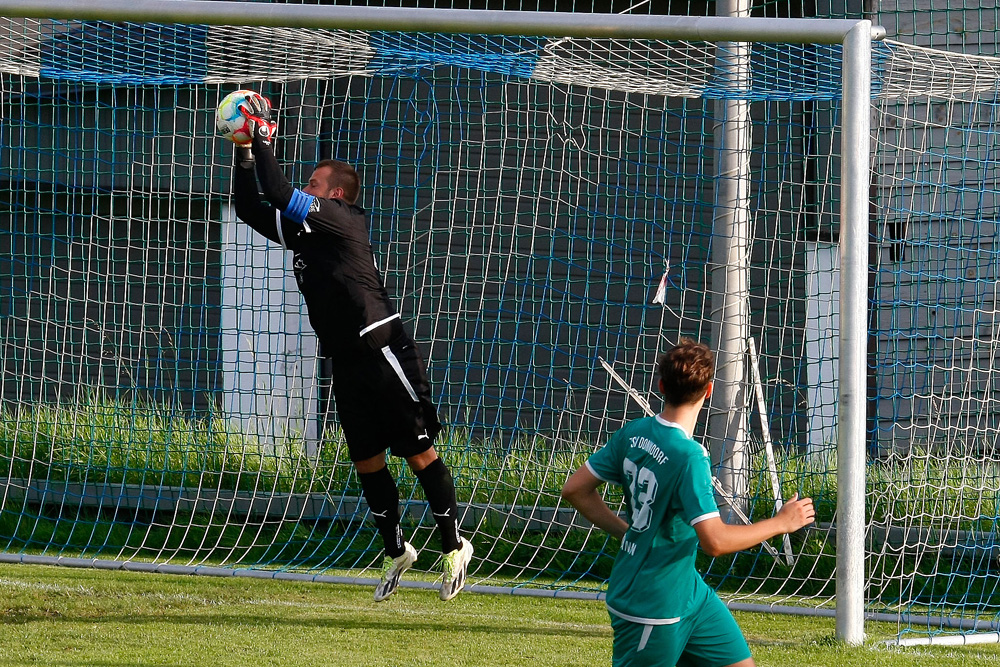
{"x": 856, "y": 39}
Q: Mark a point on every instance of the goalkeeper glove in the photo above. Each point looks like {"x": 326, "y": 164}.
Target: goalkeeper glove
{"x": 258, "y": 112}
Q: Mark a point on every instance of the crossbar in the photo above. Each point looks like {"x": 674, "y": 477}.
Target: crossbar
{"x": 471, "y": 21}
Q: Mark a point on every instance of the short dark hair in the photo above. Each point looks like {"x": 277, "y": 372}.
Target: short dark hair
{"x": 685, "y": 372}
{"x": 343, "y": 175}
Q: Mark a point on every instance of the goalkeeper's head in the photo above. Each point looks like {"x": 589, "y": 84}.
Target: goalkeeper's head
{"x": 686, "y": 372}
{"x": 332, "y": 179}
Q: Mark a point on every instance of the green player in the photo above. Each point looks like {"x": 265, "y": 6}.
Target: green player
{"x": 662, "y": 612}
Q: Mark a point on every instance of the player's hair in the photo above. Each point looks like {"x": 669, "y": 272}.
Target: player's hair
{"x": 685, "y": 371}
{"x": 343, "y": 175}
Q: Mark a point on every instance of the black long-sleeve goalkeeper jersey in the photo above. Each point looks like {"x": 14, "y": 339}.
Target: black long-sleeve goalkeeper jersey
{"x": 333, "y": 260}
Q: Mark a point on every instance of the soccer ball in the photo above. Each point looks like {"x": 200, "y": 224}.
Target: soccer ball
{"x": 230, "y": 121}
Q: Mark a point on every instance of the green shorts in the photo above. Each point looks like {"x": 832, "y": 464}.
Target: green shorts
{"x": 708, "y": 637}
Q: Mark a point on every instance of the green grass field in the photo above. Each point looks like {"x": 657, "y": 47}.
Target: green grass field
{"x": 63, "y": 616}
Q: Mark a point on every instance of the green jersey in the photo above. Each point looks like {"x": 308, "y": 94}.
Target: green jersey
{"x": 668, "y": 489}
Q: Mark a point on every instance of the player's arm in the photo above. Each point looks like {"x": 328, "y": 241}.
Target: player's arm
{"x": 327, "y": 215}
{"x": 718, "y": 538}
{"x": 276, "y": 188}
{"x": 317, "y": 214}
{"x": 580, "y": 491}
{"x": 249, "y": 207}
{"x": 293, "y": 203}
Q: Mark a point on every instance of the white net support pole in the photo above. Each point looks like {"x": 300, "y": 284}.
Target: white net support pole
{"x": 854, "y": 211}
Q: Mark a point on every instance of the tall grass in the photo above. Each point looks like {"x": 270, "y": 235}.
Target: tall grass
{"x": 99, "y": 440}
{"x": 103, "y": 440}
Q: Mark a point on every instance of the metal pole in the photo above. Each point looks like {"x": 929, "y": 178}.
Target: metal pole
{"x": 856, "y": 166}
{"x": 728, "y": 419}
{"x": 471, "y": 21}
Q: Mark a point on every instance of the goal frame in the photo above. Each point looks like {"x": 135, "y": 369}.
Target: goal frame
{"x": 855, "y": 36}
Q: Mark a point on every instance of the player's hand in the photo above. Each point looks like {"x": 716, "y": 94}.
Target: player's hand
{"x": 258, "y": 112}
{"x": 797, "y": 513}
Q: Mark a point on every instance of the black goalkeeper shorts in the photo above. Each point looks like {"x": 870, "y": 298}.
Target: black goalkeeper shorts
{"x": 383, "y": 397}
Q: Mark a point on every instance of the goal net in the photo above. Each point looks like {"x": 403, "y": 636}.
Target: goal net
{"x": 545, "y": 214}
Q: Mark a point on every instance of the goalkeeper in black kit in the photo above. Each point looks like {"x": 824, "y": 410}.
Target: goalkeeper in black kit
{"x": 379, "y": 380}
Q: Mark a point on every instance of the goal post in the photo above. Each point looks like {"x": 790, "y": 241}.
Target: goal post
{"x": 291, "y": 521}
{"x": 853, "y": 389}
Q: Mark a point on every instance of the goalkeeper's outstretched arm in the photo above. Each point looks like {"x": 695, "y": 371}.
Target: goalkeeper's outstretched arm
{"x": 249, "y": 207}
{"x": 276, "y": 188}
{"x": 259, "y": 157}
{"x": 333, "y": 216}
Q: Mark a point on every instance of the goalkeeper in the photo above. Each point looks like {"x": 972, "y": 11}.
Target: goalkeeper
{"x": 662, "y": 612}
{"x": 379, "y": 380}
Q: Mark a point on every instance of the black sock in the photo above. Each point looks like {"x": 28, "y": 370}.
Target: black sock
{"x": 439, "y": 488}
{"x": 382, "y": 496}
